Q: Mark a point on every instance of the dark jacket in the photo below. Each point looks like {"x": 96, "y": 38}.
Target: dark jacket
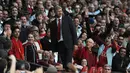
{"x": 119, "y": 63}
{"x": 128, "y": 50}
{"x": 30, "y": 53}
{"x": 68, "y": 32}
{"x": 46, "y": 45}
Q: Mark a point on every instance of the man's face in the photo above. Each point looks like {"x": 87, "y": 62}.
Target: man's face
{"x": 5, "y": 14}
{"x": 59, "y": 12}
{"x": 7, "y": 27}
{"x": 19, "y": 3}
{"x": 18, "y": 24}
{"x": 23, "y": 19}
{"x": 120, "y": 41}
{"x": 122, "y": 52}
{"x": 40, "y": 18}
{"x": 16, "y": 33}
{"x": 107, "y": 70}
{"x": 76, "y": 21}
{"x": 77, "y": 8}
{"x": 14, "y": 11}
{"x": 48, "y": 4}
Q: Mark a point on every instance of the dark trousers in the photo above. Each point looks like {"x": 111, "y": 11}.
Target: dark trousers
{"x": 65, "y": 54}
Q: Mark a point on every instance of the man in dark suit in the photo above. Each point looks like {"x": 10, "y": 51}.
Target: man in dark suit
{"x": 63, "y": 36}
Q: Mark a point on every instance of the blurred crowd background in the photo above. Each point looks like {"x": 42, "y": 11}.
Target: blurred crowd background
{"x": 102, "y": 28}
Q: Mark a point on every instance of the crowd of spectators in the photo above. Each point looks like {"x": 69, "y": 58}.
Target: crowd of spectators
{"x": 102, "y": 28}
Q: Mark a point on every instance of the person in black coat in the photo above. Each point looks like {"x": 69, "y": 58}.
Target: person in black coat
{"x": 46, "y": 41}
{"x": 30, "y": 49}
{"x": 128, "y": 47}
{"x": 120, "y": 61}
{"x": 63, "y": 36}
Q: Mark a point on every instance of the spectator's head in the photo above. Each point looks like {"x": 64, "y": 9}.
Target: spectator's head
{"x": 59, "y": 11}
{"x": 117, "y": 10}
{"x": 80, "y": 43}
{"x": 116, "y": 24}
{"x": 5, "y": 14}
{"x": 51, "y": 69}
{"x": 122, "y": 31}
{"x": 116, "y": 21}
{"x": 80, "y": 17}
{"x": 16, "y": 32}
{"x": 46, "y": 56}
{"x": 84, "y": 62}
{"x": 84, "y": 36}
{"x": 107, "y": 68}
{"x": 55, "y": 3}
{"x": 19, "y": 3}
{"x": 30, "y": 38}
{"x": 120, "y": 40}
{"x": 98, "y": 18}
{"x": 77, "y": 8}
{"x": 91, "y": 8}
{"x": 76, "y": 21}
{"x": 24, "y": 19}
{"x": 15, "y": 4}
{"x": 90, "y": 43}
{"x": 103, "y": 25}
{"x": 48, "y": 4}
{"x": 3, "y": 65}
{"x": 108, "y": 41}
{"x": 35, "y": 32}
{"x": 64, "y": 4}
{"x": 41, "y": 8}
{"x": 122, "y": 52}
{"x": 17, "y": 23}
{"x": 51, "y": 12}
{"x": 39, "y": 2}
{"x": 39, "y": 16}
{"x": 14, "y": 11}
{"x": 31, "y": 3}
{"x": 6, "y": 26}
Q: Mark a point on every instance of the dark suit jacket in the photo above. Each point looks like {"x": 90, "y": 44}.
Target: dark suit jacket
{"x": 68, "y": 32}
{"x": 119, "y": 64}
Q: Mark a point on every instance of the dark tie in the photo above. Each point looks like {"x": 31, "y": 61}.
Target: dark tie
{"x": 58, "y": 30}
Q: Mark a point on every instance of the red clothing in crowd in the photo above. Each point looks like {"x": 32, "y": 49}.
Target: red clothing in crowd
{"x": 17, "y": 49}
{"x": 76, "y": 55}
{"x": 89, "y": 56}
{"x": 84, "y": 69}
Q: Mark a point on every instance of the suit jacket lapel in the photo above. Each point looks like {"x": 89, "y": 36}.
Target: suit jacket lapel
{"x": 62, "y": 24}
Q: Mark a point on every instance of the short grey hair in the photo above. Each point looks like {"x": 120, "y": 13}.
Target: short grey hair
{"x": 106, "y": 65}
{"x": 58, "y": 7}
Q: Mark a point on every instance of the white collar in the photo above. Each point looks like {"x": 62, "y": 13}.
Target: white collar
{"x": 60, "y": 18}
